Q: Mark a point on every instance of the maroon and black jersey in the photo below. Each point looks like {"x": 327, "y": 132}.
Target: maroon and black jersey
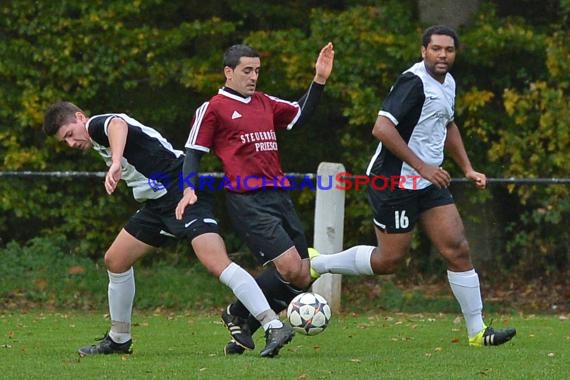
{"x": 241, "y": 132}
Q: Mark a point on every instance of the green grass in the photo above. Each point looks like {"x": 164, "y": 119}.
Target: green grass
{"x": 36, "y": 345}
{"x": 52, "y": 302}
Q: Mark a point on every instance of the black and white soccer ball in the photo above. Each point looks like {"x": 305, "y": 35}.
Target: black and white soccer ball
{"x": 309, "y": 313}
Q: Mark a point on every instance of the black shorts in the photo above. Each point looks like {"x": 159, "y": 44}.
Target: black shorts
{"x": 156, "y": 221}
{"x": 397, "y": 211}
{"x": 268, "y": 223}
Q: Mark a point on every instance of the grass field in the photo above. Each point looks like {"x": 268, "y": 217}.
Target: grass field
{"x": 42, "y": 345}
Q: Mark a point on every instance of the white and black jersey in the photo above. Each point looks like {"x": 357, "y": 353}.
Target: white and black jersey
{"x": 146, "y": 152}
{"x": 421, "y": 108}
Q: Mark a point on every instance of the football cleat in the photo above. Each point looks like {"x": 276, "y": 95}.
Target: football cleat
{"x": 232, "y": 348}
{"x": 275, "y": 339}
{"x": 312, "y": 254}
{"x": 489, "y": 337}
{"x": 106, "y": 346}
{"x": 239, "y": 329}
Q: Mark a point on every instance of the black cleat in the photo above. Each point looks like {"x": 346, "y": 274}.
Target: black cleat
{"x": 275, "y": 339}
{"x": 232, "y": 348}
{"x": 239, "y": 329}
{"x": 106, "y": 346}
{"x": 489, "y": 337}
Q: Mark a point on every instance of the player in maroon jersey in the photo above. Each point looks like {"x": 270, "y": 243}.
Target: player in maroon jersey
{"x": 238, "y": 125}
{"x": 136, "y": 153}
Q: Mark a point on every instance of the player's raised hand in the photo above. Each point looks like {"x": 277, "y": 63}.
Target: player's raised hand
{"x": 324, "y": 64}
{"x": 112, "y": 178}
{"x": 189, "y": 198}
{"x": 479, "y": 179}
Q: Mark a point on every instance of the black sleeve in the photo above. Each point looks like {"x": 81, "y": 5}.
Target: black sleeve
{"x": 96, "y": 129}
{"x": 191, "y": 168}
{"x": 309, "y": 102}
{"x": 406, "y": 94}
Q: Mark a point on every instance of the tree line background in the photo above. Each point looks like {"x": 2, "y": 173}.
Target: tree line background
{"x": 158, "y": 60}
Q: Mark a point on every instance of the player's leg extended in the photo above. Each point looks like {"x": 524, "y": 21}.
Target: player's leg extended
{"x": 391, "y": 251}
{"x": 395, "y": 214}
{"x": 366, "y": 259}
{"x": 444, "y": 227}
{"x": 119, "y": 259}
{"x": 260, "y": 220}
{"x": 210, "y": 250}
{"x": 278, "y": 293}
{"x": 293, "y": 269}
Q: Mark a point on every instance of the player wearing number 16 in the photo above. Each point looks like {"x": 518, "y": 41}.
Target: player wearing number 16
{"x": 414, "y": 126}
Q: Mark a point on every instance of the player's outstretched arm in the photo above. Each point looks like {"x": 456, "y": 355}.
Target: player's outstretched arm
{"x": 324, "y": 64}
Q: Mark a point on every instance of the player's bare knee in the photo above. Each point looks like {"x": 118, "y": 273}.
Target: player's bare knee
{"x": 458, "y": 254}
{"x": 291, "y": 275}
{"x": 108, "y": 260}
{"x": 387, "y": 266}
{"x": 305, "y": 280}
{"x": 296, "y": 276}
{"x": 115, "y": 264}
{"x": 383, "y": 263}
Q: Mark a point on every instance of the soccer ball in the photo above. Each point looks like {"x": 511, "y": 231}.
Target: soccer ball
{"x": 309, "y": 313}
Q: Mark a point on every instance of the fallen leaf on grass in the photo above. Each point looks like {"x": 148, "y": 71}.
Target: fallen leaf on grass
{"x": 76, "y": 269}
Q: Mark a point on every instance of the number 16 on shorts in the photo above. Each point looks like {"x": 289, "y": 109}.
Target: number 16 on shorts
{"x": 400, "y": 219}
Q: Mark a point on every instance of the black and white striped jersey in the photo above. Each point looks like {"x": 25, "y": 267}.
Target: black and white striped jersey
{"x": 146, "y": 152}
{"x": 421, "y": 108}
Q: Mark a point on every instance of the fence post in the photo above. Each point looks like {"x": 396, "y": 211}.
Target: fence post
{"x": 329, "y": 228}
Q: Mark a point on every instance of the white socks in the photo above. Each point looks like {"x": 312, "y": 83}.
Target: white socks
{"x": 250, "y": 295}
{"x": 465, "y": 287}
{"x": 353, "y": 261}
{"x": 121, "y": 294}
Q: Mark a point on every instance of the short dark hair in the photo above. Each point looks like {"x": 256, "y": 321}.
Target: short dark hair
{"x": 57, "y": 115}
{"x": 235, "y": 52}
{"x": 439, "y": 29}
